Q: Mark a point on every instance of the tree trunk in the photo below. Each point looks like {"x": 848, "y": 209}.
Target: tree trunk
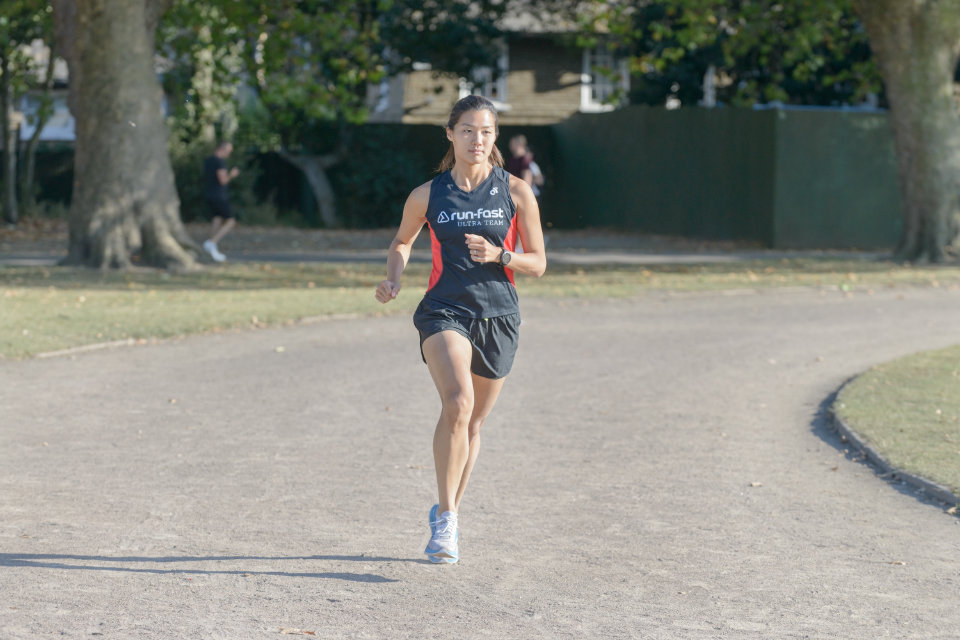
{"x": 10, "y": 144}
{"x": 315, "y": 169}
{"x": 917, "y": 44}
{"x": 27, "y": 194}
{"x": 124, "y": 197}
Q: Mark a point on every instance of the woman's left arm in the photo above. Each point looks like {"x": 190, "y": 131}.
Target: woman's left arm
{"x": 533, "y": 260}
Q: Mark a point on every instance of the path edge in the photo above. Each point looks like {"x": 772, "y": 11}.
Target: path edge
{"x": 930, "y": 488}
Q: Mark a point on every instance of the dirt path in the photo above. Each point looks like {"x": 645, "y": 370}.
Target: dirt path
{"x": 656, "y": 468}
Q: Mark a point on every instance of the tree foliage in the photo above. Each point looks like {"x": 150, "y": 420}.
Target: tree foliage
{"x": 813, "y": 52}
{"x": 201, "y": 57}
{"x": 453, "y": 37}
{"x": 293, "y": 76}
{"x": 21, "y": 23}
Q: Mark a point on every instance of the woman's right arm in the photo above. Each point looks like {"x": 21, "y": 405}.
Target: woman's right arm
{"x": 414, "y": 216}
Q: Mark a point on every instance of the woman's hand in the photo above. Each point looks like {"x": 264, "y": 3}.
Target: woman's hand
{"x": 387, "y": 291}
{"x": 481, "y": 250}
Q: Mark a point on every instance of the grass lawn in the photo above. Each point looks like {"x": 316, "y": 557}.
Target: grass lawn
{"x": 45, "y": 309}
{"x": 909, "y": 411}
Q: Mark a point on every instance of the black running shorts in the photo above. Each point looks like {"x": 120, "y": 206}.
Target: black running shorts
{"x": 494, "y": 340}
{"x": 219, "y": 208}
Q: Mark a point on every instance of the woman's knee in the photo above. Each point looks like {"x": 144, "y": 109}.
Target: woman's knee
{"x": 458, "y": 406}
{"x": 475, "y": 424}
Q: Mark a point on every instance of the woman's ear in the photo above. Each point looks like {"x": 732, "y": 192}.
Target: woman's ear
{"x": 449, "y": 134}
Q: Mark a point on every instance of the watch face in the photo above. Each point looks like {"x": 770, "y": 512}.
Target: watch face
{"x": 505, "y": 258}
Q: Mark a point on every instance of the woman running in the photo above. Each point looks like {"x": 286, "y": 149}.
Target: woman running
{"x": 469, "y": 319}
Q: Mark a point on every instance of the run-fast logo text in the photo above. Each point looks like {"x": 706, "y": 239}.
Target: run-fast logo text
{"x": 476, "y": 218}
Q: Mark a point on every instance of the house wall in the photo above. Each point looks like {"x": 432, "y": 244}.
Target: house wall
{"x": 543, "y": 87}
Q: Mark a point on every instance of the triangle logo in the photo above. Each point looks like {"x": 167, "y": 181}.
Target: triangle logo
{"x": 443, "y": 217}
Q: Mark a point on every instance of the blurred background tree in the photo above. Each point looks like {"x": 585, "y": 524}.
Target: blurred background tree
{"x": 21, "y": 23}
{"x": 291, "y": 78}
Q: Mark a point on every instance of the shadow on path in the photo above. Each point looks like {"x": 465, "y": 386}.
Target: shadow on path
{"x": 57, "y": 561}
{"x": 823, "y": 427}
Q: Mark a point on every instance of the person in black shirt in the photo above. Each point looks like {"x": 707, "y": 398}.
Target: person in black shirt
{"x": 216, "y": 176}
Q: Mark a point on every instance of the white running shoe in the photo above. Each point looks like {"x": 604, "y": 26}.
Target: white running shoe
{"x": 211, "y": 247}
{"x": 443, "y": 544}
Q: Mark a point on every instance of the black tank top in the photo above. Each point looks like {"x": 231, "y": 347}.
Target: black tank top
{"x": 469, "y": 288}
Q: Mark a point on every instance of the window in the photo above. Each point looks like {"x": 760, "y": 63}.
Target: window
{"x": 491, "y": 86}
{"x": 603, "y": 80}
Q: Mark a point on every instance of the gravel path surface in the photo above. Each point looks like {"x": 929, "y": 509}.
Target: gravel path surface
{"x": 656, "y": 468}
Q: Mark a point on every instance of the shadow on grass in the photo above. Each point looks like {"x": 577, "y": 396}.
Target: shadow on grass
{"x": 115, "y": 564}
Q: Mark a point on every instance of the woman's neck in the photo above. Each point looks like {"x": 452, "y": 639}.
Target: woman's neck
{"x": 469, "y": 176}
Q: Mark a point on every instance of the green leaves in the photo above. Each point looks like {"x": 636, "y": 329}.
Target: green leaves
{"x": 812, "y": 52}
{"x": 21, "y": 23}
{"x": 305, "y": 62}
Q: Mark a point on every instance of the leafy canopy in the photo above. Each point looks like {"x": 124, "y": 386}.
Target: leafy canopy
{"x": 810, "y": 52}
{"x": 304, "y": 65}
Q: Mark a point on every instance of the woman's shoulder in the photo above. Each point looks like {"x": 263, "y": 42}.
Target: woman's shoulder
{"x": 424, "y": 189}
{"x": 421, "y": 195}
{"x": 518, "y": 185}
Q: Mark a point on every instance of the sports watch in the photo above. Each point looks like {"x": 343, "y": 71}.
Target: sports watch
{"x": 505, "y": 257}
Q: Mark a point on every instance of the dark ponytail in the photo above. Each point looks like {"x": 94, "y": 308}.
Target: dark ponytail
{"x": 471, "y": 103}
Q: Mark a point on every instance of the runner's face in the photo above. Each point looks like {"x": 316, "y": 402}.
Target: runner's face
{"x": 473, "y": 137}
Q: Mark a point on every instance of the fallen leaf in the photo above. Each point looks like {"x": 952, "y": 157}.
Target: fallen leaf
{"x": 952, "y": 511}
{"x": 281, "y": 349}
{"x": 898, "y": 562}
{"x": 756, "y": 484}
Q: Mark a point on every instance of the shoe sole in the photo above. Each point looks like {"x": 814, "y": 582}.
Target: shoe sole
{"x": 440, "y": 553}
{"x": 446, "y": 556}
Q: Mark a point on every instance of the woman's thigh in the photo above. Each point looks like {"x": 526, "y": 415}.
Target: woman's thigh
{"x": 448, "y": 355}
{"x": 485, "y": 391}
